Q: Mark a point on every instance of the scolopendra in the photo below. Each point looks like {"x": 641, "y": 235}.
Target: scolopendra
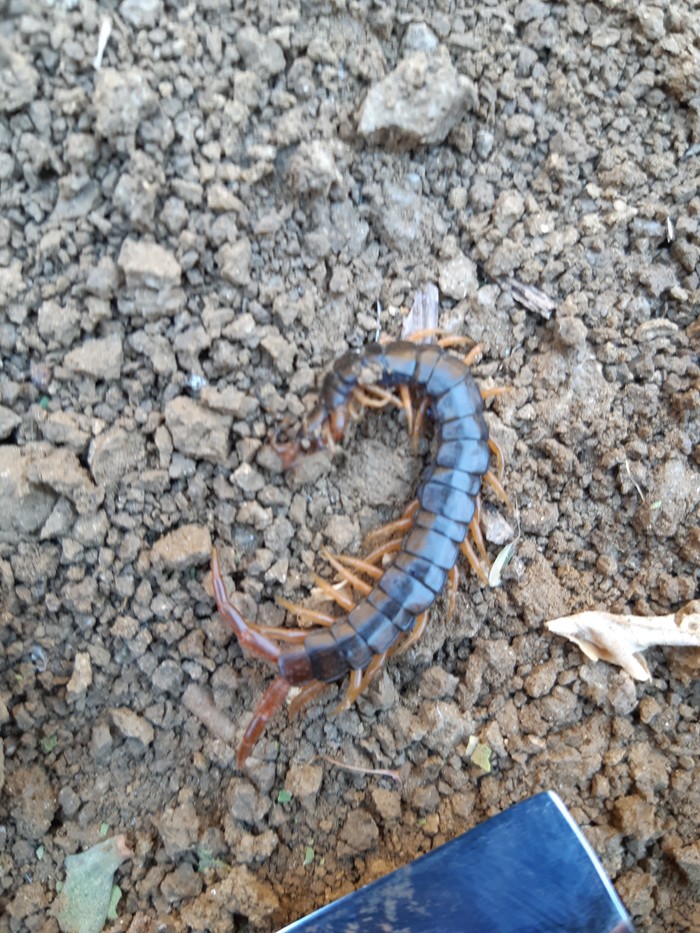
{"x": 392, "y": 612}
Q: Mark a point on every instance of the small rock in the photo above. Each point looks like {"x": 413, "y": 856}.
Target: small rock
{"x": 388, "y": 804}
{"x": 636, "y": 817}
{"x": 359, "y": 834}
{"x": 186, "y": 546}
{"x": 132, "y": 726}
{"x": 122, "y": 99}
{"x": 182, "y": 883}
{"x": 458, "y": 278}
{"x": 178, "y": 827}
{"x": 418, "y": 103}
{"x": 248, "y": 479}
{"x": 313, "y": 169}
{"x": 197, "y": 431}
{"x": 32, "y": 801}
{"x": 143, "y": 14}
{"x": 304, "y": 782}
{"x": 19, "y": 80}
{"x": 542, "y": 679}
{"x": 81, "y": 678}
{"x": 507, "y": 210}
{"x": 260, "y": 54}
{"x": 114, "y": 453}
{"x": 234, "y": 261}
{"x": 100, "y": 741}
{"x": 436, "y": 683}
{"x": 99, "y": 359}
{"x": 8, "y": 422}
{"x": 58, "y": 324}
{"x": 65, "y": 429}
{"x": 24, "y": 507}
{"x": 419, "y": 37}
{"x": 148, "y": 265}
{"x": 61, "y": 471}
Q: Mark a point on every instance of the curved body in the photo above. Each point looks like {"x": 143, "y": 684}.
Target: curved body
{"x": 446, "y": 494}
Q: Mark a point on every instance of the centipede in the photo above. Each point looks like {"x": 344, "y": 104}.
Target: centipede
{"x": 398, "y": 583}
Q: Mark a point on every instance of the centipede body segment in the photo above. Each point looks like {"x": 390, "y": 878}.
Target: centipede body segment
{"x": 393, "y": 608}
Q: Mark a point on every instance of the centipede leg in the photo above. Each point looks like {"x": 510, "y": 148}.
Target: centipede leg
{"x": 334, "y": 593}
{"x": 414, "y": 635}
{"x": 302, "y": 612}
{"x": 358, "y": 685}
{"x": 476, "y": 532}
{"x": 363, "y": 565}
{"x": 495, "y": 484}
{"x": 360, "y": 585}
{"x": 452, "y": 586}
{"x": 497, "y": 451}
{"x": 271, "y": 701}
{"x": 306, "y": 694}
{"x": 400, "y": 526}
{"x": 469, "y": 552}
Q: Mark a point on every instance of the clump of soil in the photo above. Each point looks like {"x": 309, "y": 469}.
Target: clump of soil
{"x": 189, "y": 234}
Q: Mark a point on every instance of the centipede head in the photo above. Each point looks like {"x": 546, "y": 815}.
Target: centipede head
{"x": 319, "y": 431}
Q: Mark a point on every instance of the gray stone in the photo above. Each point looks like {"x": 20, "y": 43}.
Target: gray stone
{"x": 197, "y": 431}
{"x": 18, "y": 79}
{"x": 122, "y": 99}
{"x": 418, "y": 103}
{"x": 23, "y": 507}
{"x": 260, "y": 54}
{"x": 143, "y": 14}
{"x": 99, "y": 359}
{"x": 148, "y": 265}
{"x": 8, "y": 421}
{"x": 186, "y": 546}
{"x": 114, "y": 453}
{"x": 458, "y": 277}
{"x": 132, "y": 726}
{"x": 234, "y": 260}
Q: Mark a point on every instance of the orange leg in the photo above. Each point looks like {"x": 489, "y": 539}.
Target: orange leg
{"x": 400, "y": 526}
{"x": 307, "y": 692}
{"x": 495, "y": 484}
{"x": 407, "y": 402}
{"x": 469, "y": 552}
{"x": 360, "y": 585}
{"x": 249, "y": 636}
{"x": 419, "y": 421}
{"x": 476, "y": 533}
{"x": 311, "y": 615}
{"x": 452, "y": 586}
{"x": 414, "y": 635}
{"x": 335, "y": 593}
{"x": 365, "y": 566}
{"x": 271, "y": 701}
{"x": 358, "y": 684}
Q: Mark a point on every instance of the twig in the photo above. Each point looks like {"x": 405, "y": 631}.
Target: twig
{"x": 382, "y": 772}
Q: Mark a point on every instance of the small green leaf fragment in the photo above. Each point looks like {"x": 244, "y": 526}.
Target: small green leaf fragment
{"x": 48, "y": 743}
{"x": 113, "y": 901}
{"x": 44, "y": 402}
{"x": 503, "y": 558}
{"x": 655, "y": 505}
{"x": 309, "y": 855}
{"x": 207, "y": 861}
{"x": 482, "y": 757}
{"x": 104, "y": 829}
{"x": 40, "y": 852}
{"x": 422, "y": 820}
{"x": 284, "y": 796}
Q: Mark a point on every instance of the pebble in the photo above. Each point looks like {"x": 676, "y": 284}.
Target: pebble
{"x": 388, "y": 804}
{"x": 61, "y": 471}
{"x": 304, "y": 782}
{"x": 183, "y": 882}
{"x": 65, "y": 428}
{"x": 234, "y": 259}
{"x": 359, "y": 834}
{"x": 418, "y": 103}
{"x": 436, "y": 683}
{"x": 147, "y": 265}
{"x": 121, "y": 100}
{"x": 131, "y": 725}
{"x": 186, "y": 546}
{"x": 19, "y": 80}
{"x": 634, "y": 816}
{"x": 99, "y": 359}
{"x": 24, "y": 507}
{"x": 542, "y": 679}
{"x": 260, "y": 53}
{"x": 100, "y": 741}
{"x": 81, "y": 678}
{"x": 8, "y": 422}
{"x": 114, "y": 453}
{"x": 197, "y": 431}
{"x": 59, "y": 325}
{"x": 142, "y": 14}
{"x": 457, "y": 277}
{"x": 32, "y": 801}
{"x": 178, "y": 827}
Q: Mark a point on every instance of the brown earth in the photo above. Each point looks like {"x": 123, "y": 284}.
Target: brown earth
{"x": 188, "y": 237}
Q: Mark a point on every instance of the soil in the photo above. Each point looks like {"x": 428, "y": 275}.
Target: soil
{"x": 188, "y": 237}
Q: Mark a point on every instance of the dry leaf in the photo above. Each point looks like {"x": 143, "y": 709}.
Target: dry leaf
{"x": 619, "y": 639}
